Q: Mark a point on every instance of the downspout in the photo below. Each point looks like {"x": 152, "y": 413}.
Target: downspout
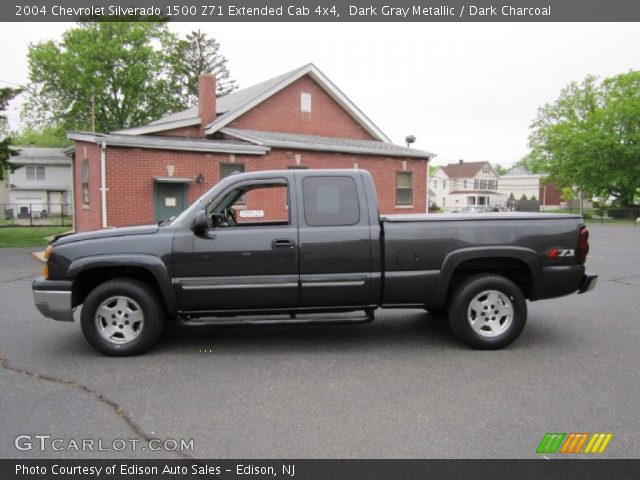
{"x": 103, "y": 182}
{"x": 426, "y": 210}
{"x": 73, "y": 188}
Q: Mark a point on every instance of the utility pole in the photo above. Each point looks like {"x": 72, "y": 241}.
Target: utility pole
{"x": 93, "y": 112}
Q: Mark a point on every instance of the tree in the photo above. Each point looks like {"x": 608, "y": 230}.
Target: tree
{"x": 500, "y": 170}
{"x": 193, "y": 56}
{"x": 590, "y": 137}
{"x": 6, "y": 95}
{"x": 110, "y": 75}
{"x": 47, "y": 137}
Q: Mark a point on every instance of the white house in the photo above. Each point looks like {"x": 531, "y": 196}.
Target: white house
{"x": 462, "y": 184}
{"x": 41, "y": 182}
{"x": 519, "y": 181}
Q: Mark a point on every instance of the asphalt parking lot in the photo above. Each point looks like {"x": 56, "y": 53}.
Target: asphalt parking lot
{"x": 400, "y": 387}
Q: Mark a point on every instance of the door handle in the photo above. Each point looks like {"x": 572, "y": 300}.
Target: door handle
{"x": 282, "y": 243}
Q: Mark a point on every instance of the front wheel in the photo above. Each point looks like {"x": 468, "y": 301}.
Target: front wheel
{"x": 487, "y": 312}
{"x": 122, "y": 317}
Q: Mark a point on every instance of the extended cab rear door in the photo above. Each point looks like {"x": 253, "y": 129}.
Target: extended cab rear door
{"x": 335, "y": 240}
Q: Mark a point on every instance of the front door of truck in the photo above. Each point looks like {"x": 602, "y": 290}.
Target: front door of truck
{"x": 248, "y": 257}
{"x": 335, "y": 241}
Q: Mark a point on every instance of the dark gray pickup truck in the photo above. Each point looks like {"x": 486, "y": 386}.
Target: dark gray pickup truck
{"x": 305, "y": 245}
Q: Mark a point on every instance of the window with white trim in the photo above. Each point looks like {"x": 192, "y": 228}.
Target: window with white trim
{"x": 404, "y": 188}
{"x": 85, "y": 182}
{"x": 35, "y": 172}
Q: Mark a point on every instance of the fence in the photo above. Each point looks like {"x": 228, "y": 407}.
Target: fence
{"x": 36, "y": 214}
{"x": 619, "y": 215}
{"x": 614, "y": 215}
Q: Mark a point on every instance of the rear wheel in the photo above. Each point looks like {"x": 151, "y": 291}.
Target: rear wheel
{"x": 487, "y": 312}
{"x": 122, "y": 317}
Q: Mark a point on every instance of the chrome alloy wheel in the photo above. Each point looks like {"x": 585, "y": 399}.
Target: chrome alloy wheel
{"x": 119, "y": 319}
{"x": 490, "y": 313}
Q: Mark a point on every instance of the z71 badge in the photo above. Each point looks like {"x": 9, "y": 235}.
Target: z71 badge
{"x": 561, "y": 252}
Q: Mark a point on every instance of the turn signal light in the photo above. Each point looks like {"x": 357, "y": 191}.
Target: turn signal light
{"x": 47, "y": 254}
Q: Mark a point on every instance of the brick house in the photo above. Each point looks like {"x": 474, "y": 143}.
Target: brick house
{"x": 297, "y": 120}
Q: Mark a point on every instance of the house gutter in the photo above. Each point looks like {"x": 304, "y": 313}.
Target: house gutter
{"x": 103, "y": 182}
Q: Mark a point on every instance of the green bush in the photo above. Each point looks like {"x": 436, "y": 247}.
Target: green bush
{"x": 629, "y": 212}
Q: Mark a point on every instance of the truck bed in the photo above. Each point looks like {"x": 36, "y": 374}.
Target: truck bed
{"x": 422, "y": 217}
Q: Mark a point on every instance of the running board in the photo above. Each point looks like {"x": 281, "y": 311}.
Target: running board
{"x": 292, "y": 319}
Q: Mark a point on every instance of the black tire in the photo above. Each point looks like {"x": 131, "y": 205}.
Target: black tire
{"x": 496, "y": 317}
{"x": 139, "y": 300}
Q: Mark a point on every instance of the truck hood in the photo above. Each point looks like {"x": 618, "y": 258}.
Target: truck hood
{"x": 105, "y": 233}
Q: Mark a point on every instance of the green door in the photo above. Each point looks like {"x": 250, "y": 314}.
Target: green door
{"x": 169, "y": 199}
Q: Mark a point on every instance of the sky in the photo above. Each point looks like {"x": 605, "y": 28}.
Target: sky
{"x": 464, "y": 90}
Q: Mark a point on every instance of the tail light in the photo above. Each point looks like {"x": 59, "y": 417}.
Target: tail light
{"x": 583, "y": 244}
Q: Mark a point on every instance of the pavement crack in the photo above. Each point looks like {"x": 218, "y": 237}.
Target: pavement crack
{"x": 119, "y": 411}
{"x": 16, "y": 279}
{"x": 624, "y": 281}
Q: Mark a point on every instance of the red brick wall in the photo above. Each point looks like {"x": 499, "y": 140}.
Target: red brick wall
{"x": 89, "y": 216}
{"x": 130, "y": 175}
{"x": 281, "y": 113}
{"x": 553, "y": 196}
{"x": 191, "y": 132}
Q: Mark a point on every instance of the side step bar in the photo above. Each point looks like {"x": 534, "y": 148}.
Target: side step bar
{"x": 277, "y": 320}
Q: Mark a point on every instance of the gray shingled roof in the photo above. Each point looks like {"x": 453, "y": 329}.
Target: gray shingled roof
{"x": 518, "y": 170}
{"x": 170, "y": 143}
{"x": 314, "y": 142}
{"x": 40, "y": 155}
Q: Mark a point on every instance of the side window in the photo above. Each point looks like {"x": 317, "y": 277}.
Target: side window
{"x": 404, "y": 188}
{"x": 267, "y": 204}
{"x": 85, "y": 182}
{"x": 227, "y": 169}
{"x": 330, "y": 201}
{"x": 252, "y": 205}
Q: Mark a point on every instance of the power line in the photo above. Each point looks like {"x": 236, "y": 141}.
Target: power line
{"x": 12, "y": 83}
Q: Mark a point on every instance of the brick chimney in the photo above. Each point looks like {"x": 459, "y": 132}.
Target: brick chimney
{"x": 206, "y": 99}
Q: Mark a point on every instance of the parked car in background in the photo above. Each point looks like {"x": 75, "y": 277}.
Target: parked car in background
{"x": 475, "y": 209}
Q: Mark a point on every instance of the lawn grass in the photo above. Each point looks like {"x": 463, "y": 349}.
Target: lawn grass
{"x": 27, "y": 236}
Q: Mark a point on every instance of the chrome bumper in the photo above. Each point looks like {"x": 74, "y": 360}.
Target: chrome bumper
{"x": 54, "y": 304}
{"x": 588, "y": 283}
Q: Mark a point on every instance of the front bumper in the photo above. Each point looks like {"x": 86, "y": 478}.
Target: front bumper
{"x": 588, "y": 283}
{"x": 53, "y": 299}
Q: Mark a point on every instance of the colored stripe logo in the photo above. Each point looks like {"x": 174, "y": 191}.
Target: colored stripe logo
{"x": 574, "y": 443}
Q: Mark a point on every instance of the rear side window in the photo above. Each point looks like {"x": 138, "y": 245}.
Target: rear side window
{"x": 330, "y": 201}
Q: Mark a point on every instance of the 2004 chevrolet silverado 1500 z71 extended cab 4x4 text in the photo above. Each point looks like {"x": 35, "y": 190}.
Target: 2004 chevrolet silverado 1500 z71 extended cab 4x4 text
{"x": 316, "y": 245}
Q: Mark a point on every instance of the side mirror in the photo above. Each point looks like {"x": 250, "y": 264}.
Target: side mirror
{"x": 199, "y": 223}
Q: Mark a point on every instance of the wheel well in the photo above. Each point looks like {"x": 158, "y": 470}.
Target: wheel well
{"x": 512, "y": 268}
{"x": 88, "y": 279}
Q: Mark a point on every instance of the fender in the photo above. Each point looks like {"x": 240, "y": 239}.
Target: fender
{"x": 455, "y": 258}
{"x": 150, "y": 263}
